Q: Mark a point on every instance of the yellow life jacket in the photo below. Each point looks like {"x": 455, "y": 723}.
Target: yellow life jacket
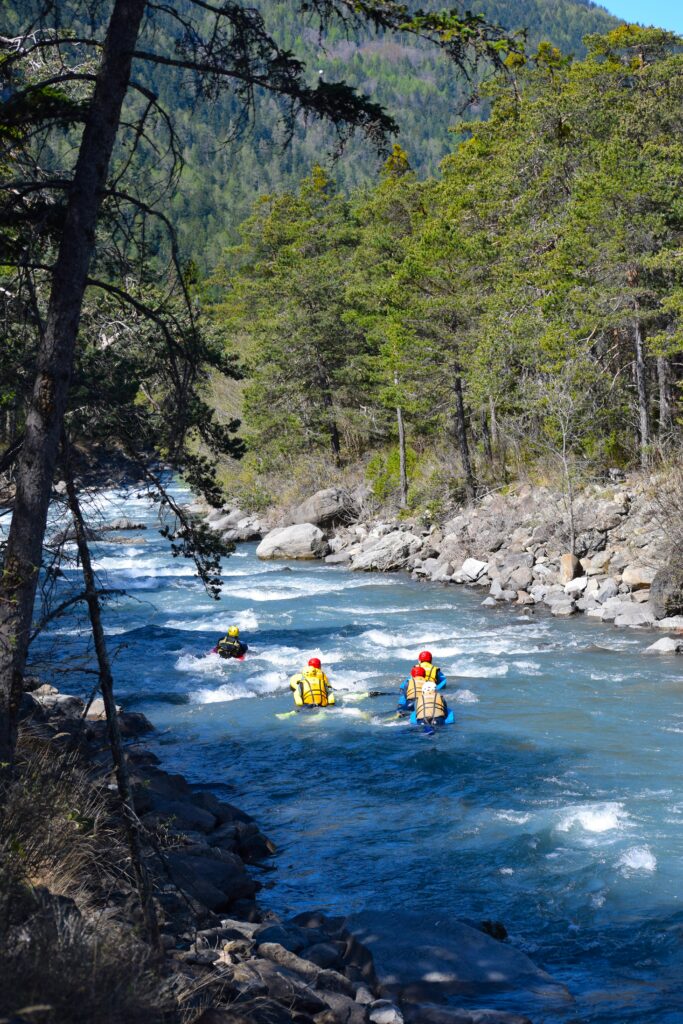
{"x": 431, "y": 671}
{"x": 430, "y": 705}
{"x": 414, "y": 687}
{"x": 311, "y": 687}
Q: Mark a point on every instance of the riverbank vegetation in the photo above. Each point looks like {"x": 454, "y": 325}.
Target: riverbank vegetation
{"x": 522, "y": 309}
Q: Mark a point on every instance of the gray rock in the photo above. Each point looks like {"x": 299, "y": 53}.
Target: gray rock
{"x": 489, "y": 602}
{"x": 303, "y": 541}
{"x": 184, "y": 814}
{"x": 471, "y": 569}
{"x": 342, "y": 557}
{"x": 607, "y": 590}
{"x": 387, "y": 554}
{"x": 61, "y": 702}
{"x": 667, "y": 645}
{"x": 577, "y": 585}
{"x": 97, "y": 712}
{"x": 666, "y": 593}
{"x": 215, "y": 883}
{"x": 635, "y": 615}
{"x": 672, "y": 622}
{"x": 345, "y": 1009}
{"x": 638, "y": 576}
{"x": 612, "y": 607}
{"x": 383, "y": 1011}
{"x": 562, "y": 609}
{"x": 326, "y": 508}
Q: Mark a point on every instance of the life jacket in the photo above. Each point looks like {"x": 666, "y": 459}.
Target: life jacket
{"x": 414, "y": 687}
{"x": 430, "y": 705}
{"x": 431, "y": 671}
{"x": 231, "y": 647}
{"x": 311, "y": 687}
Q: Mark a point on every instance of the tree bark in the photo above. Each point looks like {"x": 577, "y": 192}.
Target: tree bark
{"x": 666, "y": 400}
{"x": 461, "y": 430}
{"x": 130, "y": 817}
{"x": 486, "y": 437}
{"x": 641, "y": 386}
{"x": 402, "y": 457}
{"x": 45, "y": 417}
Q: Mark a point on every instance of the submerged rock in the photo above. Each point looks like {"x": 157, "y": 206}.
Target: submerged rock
{"x": 667, "y": 645}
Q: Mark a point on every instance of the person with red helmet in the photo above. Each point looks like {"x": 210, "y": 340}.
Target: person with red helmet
{"x": 433, "y": 673}
{"x": 410, "y": 689}
{"x": 311, "y": 687}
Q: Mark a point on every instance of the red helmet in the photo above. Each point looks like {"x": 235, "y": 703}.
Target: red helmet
{"x": 314, "y": 662}
{"x": 425, "y": 656}
{"x": 418, "y": 672}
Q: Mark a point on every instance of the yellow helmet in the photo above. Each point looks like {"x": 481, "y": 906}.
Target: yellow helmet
{"x": 233, "y": 631}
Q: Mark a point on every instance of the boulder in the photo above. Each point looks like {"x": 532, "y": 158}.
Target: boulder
{"x": 215, "y": 883}
{"x": 607, "y": 590}
{"x": 635, "y": 615}
{"x": 387, "y": 554}
{"x": 342, "y": 557}
{"x": 672, "y": 622}
{"x": 563, "y": 608}
{"x": 666, "y": 593}
{"x": 577, "y": 585}
{"x": 569, "y": 568}
{"x": 383, "y": 1011}
{"x": 612, "y": 607}
{"x": 97, "y": 712}
{"x": 667, "y": 645}
{"x": 638, "y": 576}
{"x": 471, "y": 569}
{"x": 63, "y": 703}
{"x": 326, "y": 508}
{"x": 303, "y": 541}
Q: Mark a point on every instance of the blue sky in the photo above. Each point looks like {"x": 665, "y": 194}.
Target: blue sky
{"x": 663, "y": 13}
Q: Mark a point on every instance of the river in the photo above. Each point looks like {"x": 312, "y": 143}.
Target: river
{"x": 555, "y": 803}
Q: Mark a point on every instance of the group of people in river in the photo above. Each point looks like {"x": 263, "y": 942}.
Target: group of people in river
{"x": 420, "y": 694}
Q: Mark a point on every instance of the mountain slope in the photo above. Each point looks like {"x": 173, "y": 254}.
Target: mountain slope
{"x": 414, "y": 82}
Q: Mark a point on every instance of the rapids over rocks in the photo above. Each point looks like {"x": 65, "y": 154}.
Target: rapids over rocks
{"x": 555, "y": 804}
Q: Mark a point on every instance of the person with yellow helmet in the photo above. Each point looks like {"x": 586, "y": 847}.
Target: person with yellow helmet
{"x": 311, "y": 687}
{"x": 231, "y": 646}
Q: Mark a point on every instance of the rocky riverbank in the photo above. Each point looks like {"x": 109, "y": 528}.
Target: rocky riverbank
{"x": 512, "y": 547}
{"x": 226, "y": 959}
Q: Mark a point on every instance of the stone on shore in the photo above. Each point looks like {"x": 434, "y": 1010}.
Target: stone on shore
{"x": 569, "y": 568}
{"x": 327, "y": 508}
{"x": 302, "y": 541}
{"x": 577, "y": 585}
{"x": 666, "y": 592}
{"x": 388, "y": 553}
{"x": 471, "y": 570}
{"x": 638, "y": 576}
{"x": 633, "y": 615}
{"x": 667, "y": 645}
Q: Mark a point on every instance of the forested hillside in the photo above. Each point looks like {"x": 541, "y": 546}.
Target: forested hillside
{"x": 416, "y": 84}
{"x": 521, "y": 309}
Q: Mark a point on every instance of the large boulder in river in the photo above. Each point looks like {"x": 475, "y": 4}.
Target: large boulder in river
{"x": 304, "y": 540}
{"x": 666, "y": 593}
{"x": 329, "y": 507}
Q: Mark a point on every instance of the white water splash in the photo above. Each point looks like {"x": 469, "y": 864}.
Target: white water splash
{"x": 638, "y": 858}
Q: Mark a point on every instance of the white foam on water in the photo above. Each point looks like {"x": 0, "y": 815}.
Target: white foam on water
{"x": 531, "y": 668}
{"x": 464, "y": 697}
{"x": 241, "y": 687}
{"x": 596, "y": 818}
{"x": 507, "y": 871}
{"x": 516, "y": 817}
{"x": 481, "y": 671}
{"x": 216, "y": 623}
{"x": 356, "y": 713}
{"x": 637, "y": 858}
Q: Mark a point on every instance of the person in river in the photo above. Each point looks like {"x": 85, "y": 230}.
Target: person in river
{"x": 410, "y": 688}
{"x": 311, "y": 686}
{"x": 430, "y": 707}
{"x": 231, "y": 646}
{"x": 433, "y": 673}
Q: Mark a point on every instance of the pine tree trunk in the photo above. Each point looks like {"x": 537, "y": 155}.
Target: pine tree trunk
{"x": 641, "y": 386}
{"x": 666, "y": 400}
{"x": 107, "y": 688}
{"x": 461, "y": 430}
{"x": 45, "y": 417}
{"x": 486, "y": 437}
{"x": 402, "y": 457}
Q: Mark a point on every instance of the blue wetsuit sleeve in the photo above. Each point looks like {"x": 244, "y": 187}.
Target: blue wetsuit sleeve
{"x": 404, "y": 684}
{"x": 440, "y": 680}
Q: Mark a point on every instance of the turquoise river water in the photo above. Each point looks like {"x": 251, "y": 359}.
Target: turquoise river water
{"x": 555, "y": 803}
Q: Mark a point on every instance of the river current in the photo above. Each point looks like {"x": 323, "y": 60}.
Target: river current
{"x": 555, "y": 803}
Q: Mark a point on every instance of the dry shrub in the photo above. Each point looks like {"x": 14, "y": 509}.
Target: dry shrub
{"x": 63, "y": 885}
